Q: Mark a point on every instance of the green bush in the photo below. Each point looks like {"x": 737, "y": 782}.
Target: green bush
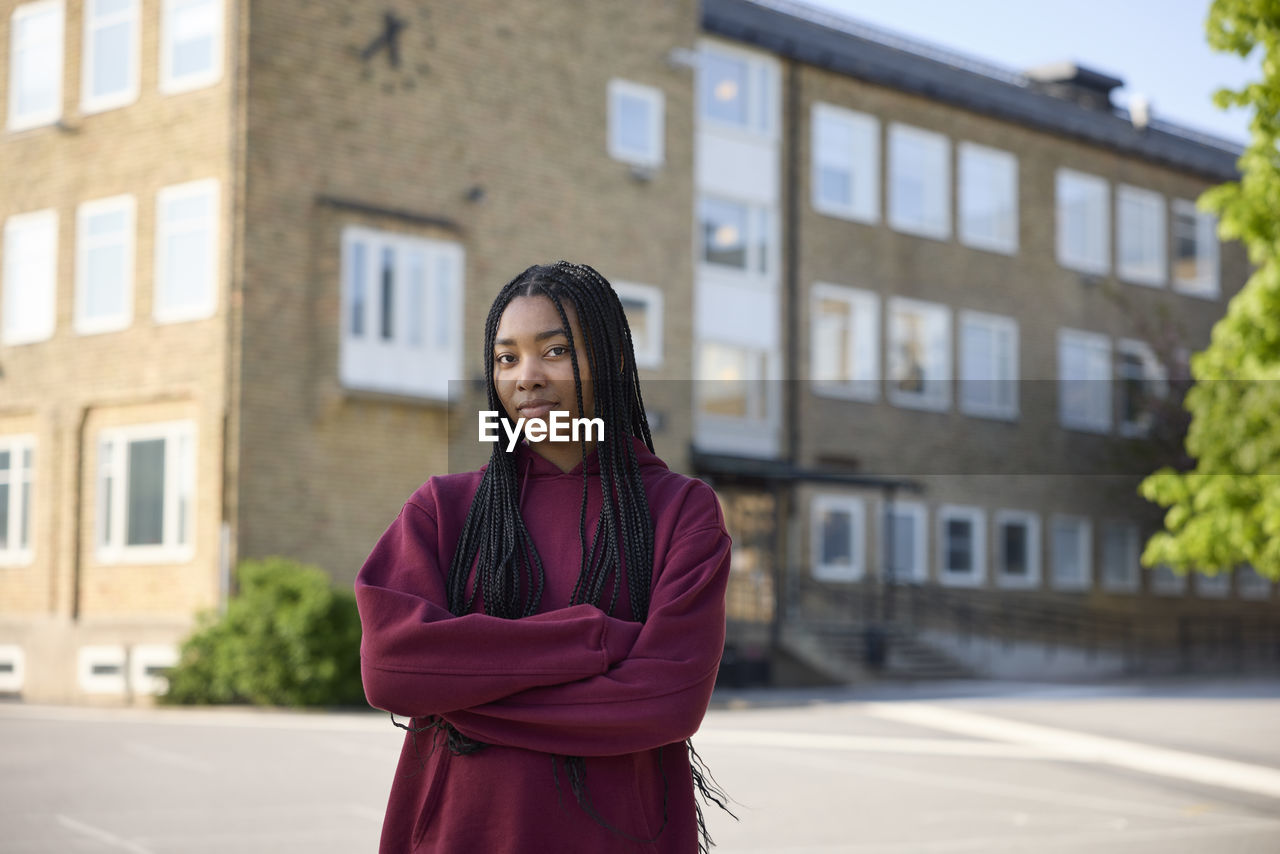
{"x": 287, "y": 639}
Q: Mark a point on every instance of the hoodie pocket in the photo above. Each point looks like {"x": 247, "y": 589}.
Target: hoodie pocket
{"x": 432, "y": 792}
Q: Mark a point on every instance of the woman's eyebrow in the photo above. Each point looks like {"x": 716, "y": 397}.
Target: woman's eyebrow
{"x": 541, "y": 336}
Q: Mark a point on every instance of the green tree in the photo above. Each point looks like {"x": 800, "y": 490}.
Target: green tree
{"x": 1226, "y": 510}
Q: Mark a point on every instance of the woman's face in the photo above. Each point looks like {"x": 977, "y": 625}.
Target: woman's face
{"x": 532, "y": 367}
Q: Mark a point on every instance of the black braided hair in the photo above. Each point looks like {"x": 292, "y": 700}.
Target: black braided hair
{"x": 509, "y": 575}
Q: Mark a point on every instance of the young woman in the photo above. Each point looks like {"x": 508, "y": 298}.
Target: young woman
{"x": 551, "y": 624}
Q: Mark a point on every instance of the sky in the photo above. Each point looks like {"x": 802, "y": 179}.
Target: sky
{"x": 1158, "y": 47}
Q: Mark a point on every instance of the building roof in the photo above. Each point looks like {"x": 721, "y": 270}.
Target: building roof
{"x": 838, "y": 44}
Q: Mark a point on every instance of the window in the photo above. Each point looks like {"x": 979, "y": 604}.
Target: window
{"x": 732, "y": 381}
{"x": 110, "y": 64}
{"x": 101, "y": 669}
{"x": 30, "y": 277}
{"x": 1017, "y": 548}
{"x": 12, "y": 669}
{"x": 35, "y": 64}
{"x": 1084, "y": 381}
{"x": 1083, "y": 225}
{"x": 962, "y": 547}
{"x": 1195, "y": 250}
{"x": 146, "y": 493}
{"x": 919, "y": 182}
{"x": 643, "y": 307}
{"x": 735, "y": 235}
{"x": 844, "y": 356}
{"x": 1140, "y": 236}
{"x": 1119, "y": 557}
{"x": 186, "y": 283}
{"x": 838, "y": 538}
{"x": 1251, "y": 584}
{"x": 402, "y": 313}
{"x": 635, "y": 123}
{"x": 988, "y": 365}
{"x": 104, "y": 264}
{"x": 736, "y": 90}
{"x": 905, "y": 543}
{"x": 17, "y": 467}
{"x": 1142, "y": 381}
{"x": 1216, "y": 586}
{"x": 1166, "y": 582}
{"x": 1071, "y": 553}
{"x": 988, "y": 189}
{"x": 846, "y": 163}
{"x": 149, "y": 666}
{"x": 919, "y": 354}
{"x": 190, "y": 45}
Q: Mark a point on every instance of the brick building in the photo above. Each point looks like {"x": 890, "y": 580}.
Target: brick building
{"x": 248, "y": 249}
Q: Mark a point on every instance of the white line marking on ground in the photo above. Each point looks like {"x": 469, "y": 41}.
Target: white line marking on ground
{"x": 1082, "y": 747}
{"x": 868, "y": 744}
{"x": 101, "y": 835}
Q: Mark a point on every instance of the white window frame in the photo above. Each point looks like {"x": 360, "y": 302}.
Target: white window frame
{"x": 862, "y": 305}
{"x": 1251, "y": 584}
{"x": 1203, "y": 286}
{"x": 761, "y": 119}
{"x": 981, "y": 159}
{"x": 84, "y": 324}
{"x": 179, "y": 485}
{"x": 21, "y": 522}
{"x": 170, "y": 84}
{"x": 1154, "y": 376}
{"x": 19, "y": 121}
{"x": 373, "y": 361}
{"x": 207, "y": 305}
{"x": 89, "y": 103}
{"x": 936, "y": 393}
{"x": 761, "y": 249}
{"x": 856, "y": 508}
{"x": 1096, "y": 419}
{"x": 977, "y": 519}
{"x": 1083, "y": 534}
{"x": 18, "y": 240}
{"x": 648, "y": 348}
{"x": 936, "y": 218}
{"x": 1006, "y": 404}
{"x": 1032, "y": 523}
{"x": 108, "y": 655}
{"x": 13, "y": 681}
{"x": 652, "y": 155}
{"x": 1166, "y": 582}
{"x": 1132, "y": 580}
{"x": 861, "y": 161}
{"x": 1151, "y": 204}
{"x": 1216, "y": 586}
{"x": 918, "y": 572}
{"x": 1095, "y": 259}
{"x": 144, "y": 657}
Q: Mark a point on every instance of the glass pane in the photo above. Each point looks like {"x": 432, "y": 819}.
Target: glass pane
{"x": 723, "y": 380}
{"x": 724, "y": 233}
{"x": 415, "y": 301}
{"x": 6, "y": 465}
{"x": 724, "y": 85}
{"x": 186, "y": 274}
{"x": 24, "y": 515}
{"x": 111, "y": 7}
{"x": 837, "y": 538}
{"x": 111, "y": 46}
{"x": 637, "y": 311}
{"x": 145, "y": 514}
{"x": 107, "y": 224}
{"x": 633, "y": 124}
{"x": 4, "y": 515}
{"x": 1066, "y": 552}
{"x": 104, "y": 281}
{"x": 183, "y": 463}
{"x": 835, "y": 186}
{"x": 1014, "y": 537}
{"x": 831, "y": 357}
{"x": 908, "y": 353}
{"x": 904, "y": 545}
{"x": 959, "y": 545}
{"x": 188, "y": 209}
{"x": 356, "y": 293}
{"x": 387, "y": 279}
{"x": 37, "y": 66}
{"x": 192, "y": 31}
{"x": 444, "y": 285}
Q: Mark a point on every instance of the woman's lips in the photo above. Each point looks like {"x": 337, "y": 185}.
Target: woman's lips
{"x": 540, "y": 410}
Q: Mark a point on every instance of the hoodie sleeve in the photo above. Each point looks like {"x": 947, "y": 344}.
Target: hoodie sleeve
{"x": 419, "y": 659}
{"x": 657, "y": 695}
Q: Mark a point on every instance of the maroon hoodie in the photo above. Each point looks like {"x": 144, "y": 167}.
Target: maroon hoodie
{"x": 568, "y": 681}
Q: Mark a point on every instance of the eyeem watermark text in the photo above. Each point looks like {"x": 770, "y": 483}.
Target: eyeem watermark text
{"x": 558, "y": 427}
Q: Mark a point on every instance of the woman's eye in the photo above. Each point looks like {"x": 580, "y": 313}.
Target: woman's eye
{"x": 558, "y": 350}
{"x": 505, "y": 359}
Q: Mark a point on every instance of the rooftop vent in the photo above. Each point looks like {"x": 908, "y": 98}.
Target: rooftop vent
{"x": 1086, "y": 87}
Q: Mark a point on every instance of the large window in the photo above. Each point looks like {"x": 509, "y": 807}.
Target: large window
{"x": 988, "y": 190}
{"x": 735, "y": 235}
{"x": 736, "y": 90}
{"x": 988, "y": 365}
{"x": 1251, "y": 584}
{"x": 635, "y": 123}
{"x": 838, "y": 537}
{"x": 1084, "y": 380}
{"x": 1142, "y": 383}
{"x": 190, "y": 44}
{"x": 846, "y": 163}
{"x": 643, "y": 307}
{"x": 35, "y": 64}
{"x": 905, "y": 541}
{"x": 186, "y": 279}
{"x": 30, "y": 277}
{"x": 402, "y": 313}
{"x": 1140, "y": 238}
{"x": 104, "y": 264}
{"x": 731, "y": 381}
{"x": 1017, "y": 548}
{"x": 110, "y": 64}
{"x": 919, "y": 354}
{"x": 1195, "y": 250}
{"x": 919, "y": 182}
{"x": 146, "y": 493}
{"x": 1165, "y": 581}
{"x": 844, "y": 359}
{"x": 962, "y": 548}
{"x": 1120, "y": 551}
{"x": 17, "y": 470}
{"x": 1084, "y": 227}
{"x": 1071, "y": 551}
